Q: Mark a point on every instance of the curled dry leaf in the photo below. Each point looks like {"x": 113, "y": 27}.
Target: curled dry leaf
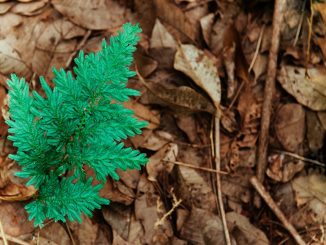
{"x": 201, "y": 69}
{"x": 283, "y": 168}
{"x": 206, "y": 23}
{"x": 194, "y": 189}
{"x": 290, "y": 126}
{"x": 90, "y": 14}
{"x": 5, "y": 7}
{"x": 152, "y": 140}
{"x": 161, "y": 37}
{"x": 30, "y": 9}
{"x": 310, "y": 196}
{"x": 309, "y": 90}
{"x": 160, "y": 161}
{"x": 187, "y": 123}
{"x": 244, "y": 232}
{"x": 149, "y": 209}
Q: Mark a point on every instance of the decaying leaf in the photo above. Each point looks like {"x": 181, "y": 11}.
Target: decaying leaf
{"x": 53, "y": 234}
{"x": 206, "y": 23}
{"x": 149, "y": 208}
{"x": 244, "y": 232}
{"x": 315, "y": 131}
{"x": 309, "y": 90}
{"x": 118, "y": 217}
{"x": 203, "y": 227}
{"x": 160, "y": 161}
{"x": 161, "y": 38}
{"x": 86, "y": 231}
{"x": 310, "y": 195}
{"x": 194, "y": 190}
{"x": 201, "y": 68}
{"x": 93, "y": 15}
{"x": 290, "y": 126}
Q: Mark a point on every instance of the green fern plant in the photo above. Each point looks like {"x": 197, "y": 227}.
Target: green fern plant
{"x": 79, "y": 123}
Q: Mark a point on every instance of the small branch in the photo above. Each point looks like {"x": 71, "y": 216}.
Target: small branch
{"x": 268, "y": 93}
{"x": 277, "y": 211}
{"x": 196, "y": 167}
{"x": 3, "y": 235}
{"x": 218, "y": 179}
{"x": 175, "y": 204}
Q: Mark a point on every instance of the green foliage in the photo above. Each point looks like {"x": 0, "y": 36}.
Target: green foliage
{"x": 79, "y": 123}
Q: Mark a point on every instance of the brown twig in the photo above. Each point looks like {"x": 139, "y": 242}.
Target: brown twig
{"x": 218, "y": 179}
{"x": 196, "y": 167}
{"x": 277, "y": 211}
{"x": 3, "y": 235}
{"x": 268, "y": 93}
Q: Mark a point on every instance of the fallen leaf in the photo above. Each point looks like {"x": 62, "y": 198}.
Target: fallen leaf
{"x": 5, "y": 7}
{"x": 315, "y": 131}
{"x": 160, "y": 161}
{"x": 149, "y": 209}
{"x": 206, "y": 24}
{"x": 289, "y": 126}
{"x": 118, "y": 217}
{"x": 203, "y": 227}
{"x": 310, "y": 196}
{"x": 14, "y": 219}
{"x": 308, "y": 90}
{"x": 143, "y": 113}
{"x": 90, "y": 14}
{"x": 86, "y": 231}
{"x": 243, "y": 231}
{"x": 201, "y": 68}
{"x": 55, "y": 233}
{"x": 161, "y": 37}
{"x": 187, "y": 123}
{"x": 29, "y": 9}
{"x": 194, "y": 189}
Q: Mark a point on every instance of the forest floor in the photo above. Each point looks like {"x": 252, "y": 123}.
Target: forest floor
{"x": 231, "y": 90}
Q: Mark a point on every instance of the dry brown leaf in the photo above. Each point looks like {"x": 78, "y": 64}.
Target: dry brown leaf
{"x": 117, "y": 192}
{"x": 5, "y": 7}
{"x": 15, "y": 192}
{"x": 281, "y": 168}
{"x": 118, "y": 217}
{"x": 145, "y": 15}
{"x": 309, "y": 90}
{"x": 322, "y": 118}
{"x": 55, "y": 233}
{"x": 187, "y": 123}
{"x": 143, "y": 113}
{"x": 129, "y": 177}
{"x": 201, "y": 68}
{"x": 14, "y": 219}
{"x": 152, "y": 140}
{"x": 244, "y": 232}
{"x": 145, "y": 65}
{"x": 174, "y": 16}
{"x": 310, "y": 195}
{"x": 203, "y": 227}
{"x": 85, "y": 232}
{"x": 315, "y": 131}
{"x": 149, "y": 209}
{"x": 161, "y": 37}
{"x": 206, "y": 24}
{"x": 289, "y": 126}
{"x": 157, "y": 162}
{"x": 90, "y": 14}
{"x": 182, "y": 99}
{"x": 194, "y": 189}
{"x": 30, "y": 9}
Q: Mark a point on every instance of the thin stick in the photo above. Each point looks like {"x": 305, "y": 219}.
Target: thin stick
{"x": 277, "y": 211}
{"x": 196, "y": 167}
{"x": 3, "y": 234}
{"x": 268, "y": 94}
{"x": 257, "y": 49}
{"x": 218, "y": 179}
{"x": 320, "y": 164}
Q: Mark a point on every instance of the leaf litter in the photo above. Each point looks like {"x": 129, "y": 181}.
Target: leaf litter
{"x": 194, "y": 57}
